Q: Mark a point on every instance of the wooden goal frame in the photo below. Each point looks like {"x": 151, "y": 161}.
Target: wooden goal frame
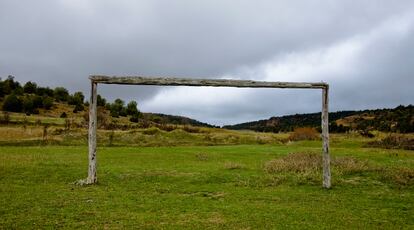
{"x": 162, "y": 81}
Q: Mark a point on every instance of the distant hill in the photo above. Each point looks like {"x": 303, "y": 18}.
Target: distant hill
{"x": 29, "y": 99}
{"x": 160, "y": 118}
{"x": 399, "y": 119}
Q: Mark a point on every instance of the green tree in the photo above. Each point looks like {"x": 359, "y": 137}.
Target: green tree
{"x": 30, "y": 87}
{"x": 44, "y": 91}
{"x": 10, "y": 86}
{"x": 132, "y": 108}
{"x": 78, "y": 107}
{"x": 28, "y": 106}
{"x": 76, "y": 99}
{"x": 135, "y": 117}
{"x": 61, "y": 94}
{"x": 2, "y": 93}
{"x": 12, "y": 103}
{"x": 100, "y": 101}
{"x": 47, "y": 102}
{"x": 37, "y": 101}
{"x": 117, "y": 108}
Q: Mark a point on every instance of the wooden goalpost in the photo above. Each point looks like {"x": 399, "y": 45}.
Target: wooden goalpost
{"x": 139, "y": 80}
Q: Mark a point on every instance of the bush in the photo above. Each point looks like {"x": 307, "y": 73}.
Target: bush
{"x": 44, "y": 91}
{"x": 37, "y": 101}
{"x": 47, "y": 102}
{"x": 100, "y": 101}
{"x": 134, "y": 118}
{"x": 30, "y": 87}
{"x": 2, "y": 91}
{"x": 394, "y": 141}
{"x": 117, "y": 108}
{"x": 123, "y": 112}
{"x": 78, "y": 108}
{"x": 11, "y": 86}
{"x": 28, "y": 105}
{"x": 306, "y": 133}
{"x": 61, "y": 94}
{"x": 132, "y": 108}
{"x": 151, "y": 131}
{"x": 191, "y": 129}
{"x": 63, "y": 115}
{"x": 12, "y": 103}
{"x": 76, "y": 99}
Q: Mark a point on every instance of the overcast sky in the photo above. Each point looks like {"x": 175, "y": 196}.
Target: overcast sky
{"x": 363, "y": 49}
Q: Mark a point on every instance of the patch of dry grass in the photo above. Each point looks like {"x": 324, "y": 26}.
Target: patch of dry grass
{"x": 294, "y": 162}
{"x": 308, "y": 167}
{"x": 351, "y": 165}
{"x": 12, "y": 133}
{"x": 312, "y": 162}
{"x": 233, "y": 165}
{"x": 202, "y": 156}
{"x": 401, "y": 176}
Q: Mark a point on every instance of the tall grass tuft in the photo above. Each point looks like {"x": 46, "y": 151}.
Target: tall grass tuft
{"x": 295, "y": 162}
{"x": 312, "y": 162}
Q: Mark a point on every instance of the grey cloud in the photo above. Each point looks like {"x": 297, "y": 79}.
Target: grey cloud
{"x": 62, "y": 42}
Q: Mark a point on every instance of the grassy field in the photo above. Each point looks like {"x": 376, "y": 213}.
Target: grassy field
{"x": 207, "y": 187}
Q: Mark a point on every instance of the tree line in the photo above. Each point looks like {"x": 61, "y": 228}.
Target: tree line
{"x": 399, "y": 119}
{"x": 29, "y": 98}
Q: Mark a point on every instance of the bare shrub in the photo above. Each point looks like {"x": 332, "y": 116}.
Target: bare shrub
{"x": 394, "y": 141}
{"x": 350, "y": 165}
{"x": 305, "y": 133}
{"x": 399, "y": 176}
{"x": 233, "y": 165}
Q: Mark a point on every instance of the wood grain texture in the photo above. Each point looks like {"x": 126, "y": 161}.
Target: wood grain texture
{"x": 325, "y": 139}
{"x": 138, "y": 80}
{"x": 92, "y": 178}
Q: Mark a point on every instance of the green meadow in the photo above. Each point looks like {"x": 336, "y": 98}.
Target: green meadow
{"x": 255, "y": 186}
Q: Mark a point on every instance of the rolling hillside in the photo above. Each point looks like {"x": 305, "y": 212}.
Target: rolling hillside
{"x": 399, "y": 119}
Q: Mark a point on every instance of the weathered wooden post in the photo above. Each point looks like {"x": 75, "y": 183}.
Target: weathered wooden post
{"x": 325, "y": 138}
{"x": 92, "y": 134}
